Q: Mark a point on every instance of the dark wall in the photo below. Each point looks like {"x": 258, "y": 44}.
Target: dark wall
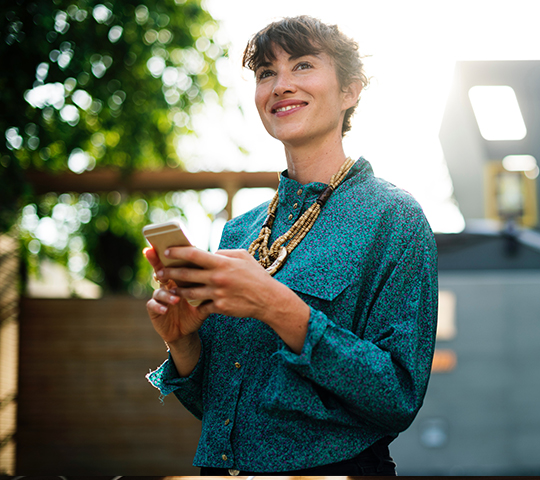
{"x": 475, "y": 252}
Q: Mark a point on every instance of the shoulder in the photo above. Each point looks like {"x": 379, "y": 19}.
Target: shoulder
{"x": 377, "y": 201}
{"x": 238, "y": 232}
{"x": 396, "y": 203}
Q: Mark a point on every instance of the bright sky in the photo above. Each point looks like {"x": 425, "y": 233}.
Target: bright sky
{"x": 413, "y": 46}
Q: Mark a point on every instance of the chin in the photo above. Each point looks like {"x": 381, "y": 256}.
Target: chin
{"x": 288, "y": 136}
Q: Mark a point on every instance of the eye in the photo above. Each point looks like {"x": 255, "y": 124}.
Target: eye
{"x": 303, "y": 66}
{"x": 264, "y": 74}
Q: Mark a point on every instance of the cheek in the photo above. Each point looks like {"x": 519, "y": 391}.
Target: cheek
{"x": 325, "y": 90}
{"x": 261, "y": 102}
{"x": 261, "y": 99}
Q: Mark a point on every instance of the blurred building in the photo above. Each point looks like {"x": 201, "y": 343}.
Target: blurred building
{"x": 481, "y": 415}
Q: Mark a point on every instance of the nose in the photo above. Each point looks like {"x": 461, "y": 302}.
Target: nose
{"x": 283, "y": 84}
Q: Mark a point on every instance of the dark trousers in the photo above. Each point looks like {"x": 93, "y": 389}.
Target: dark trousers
{"x": 374, "y": 461}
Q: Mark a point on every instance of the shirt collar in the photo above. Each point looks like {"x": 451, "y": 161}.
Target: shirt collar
{"x": 291, "y": 188}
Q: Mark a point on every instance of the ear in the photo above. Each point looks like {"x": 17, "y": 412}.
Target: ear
{"x": 351, "y": 93}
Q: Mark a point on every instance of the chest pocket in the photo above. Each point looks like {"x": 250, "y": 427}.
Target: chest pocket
{"x": 319, "y": 277}
{"x": 323, "y": 283}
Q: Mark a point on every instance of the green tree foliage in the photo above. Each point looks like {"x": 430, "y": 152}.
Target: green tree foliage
{"x": 98, "y": 236}
{"x": 86, "y": 84}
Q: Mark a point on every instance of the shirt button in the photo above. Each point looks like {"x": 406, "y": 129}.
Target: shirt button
{"x": 299, "y": 192}
{"x": 237, "y": 365}
{"x": 224, "y": 457}
{"x": 290, "y": 216}
{"x": 295, "y": 206}
{"x": 227, "y": 421}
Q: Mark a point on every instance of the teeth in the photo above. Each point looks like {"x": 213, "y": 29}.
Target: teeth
{"x": 284, "y": 109}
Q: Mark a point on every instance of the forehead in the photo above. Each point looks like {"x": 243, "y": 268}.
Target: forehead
{"x": 269, "y": 51}
{"x": 277, "y": 54}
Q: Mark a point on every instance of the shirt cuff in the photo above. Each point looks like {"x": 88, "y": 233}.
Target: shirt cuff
{"x": 166, "y": 378}
{"x": 318, "y": 323}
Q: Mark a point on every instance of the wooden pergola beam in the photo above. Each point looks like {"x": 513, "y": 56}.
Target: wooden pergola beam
{"x": 108, "y": 180}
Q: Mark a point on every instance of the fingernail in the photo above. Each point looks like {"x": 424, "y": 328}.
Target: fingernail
{"x": 160, "y": 273}
{"x": 162, "y": 309}
{"x": 167, "y": 252}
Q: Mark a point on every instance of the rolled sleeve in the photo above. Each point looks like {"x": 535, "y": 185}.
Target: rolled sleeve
{"x": 187, "y": 389}
{"x": 318, "y": 323}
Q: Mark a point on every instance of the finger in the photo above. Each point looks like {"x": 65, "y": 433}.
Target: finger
{"x": 165, "y": 283}
{"x": 165, "y": 296}
{"x": 152, "y": 257}
{"x": 242, "y": 255}
{"x": 155, "y": 307}
{"x": 205, "y": 260}
{"x": 184, "y": 277}
{"x": 195, "y": 293}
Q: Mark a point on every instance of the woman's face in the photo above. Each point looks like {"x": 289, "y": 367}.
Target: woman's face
{"x": 299, "y": 99}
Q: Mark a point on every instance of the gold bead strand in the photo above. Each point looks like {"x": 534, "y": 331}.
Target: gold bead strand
{"x": 303, "y": 225}
{"x": 261, "y": 242}
{"x": 274, "y": 258}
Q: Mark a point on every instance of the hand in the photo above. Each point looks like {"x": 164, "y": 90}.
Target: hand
{"x": 172, "y": 317}
{"x": 232, "y": 282}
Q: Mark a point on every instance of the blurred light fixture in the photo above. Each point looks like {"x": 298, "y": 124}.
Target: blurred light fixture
{"x": 519, "y": 163}
{"x": 434, "y": 432}
{"x": 497, "y": 112}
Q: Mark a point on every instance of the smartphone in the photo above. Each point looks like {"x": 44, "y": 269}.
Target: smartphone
{"x": 169, "y": 234}
{"x": 164, "y": 235}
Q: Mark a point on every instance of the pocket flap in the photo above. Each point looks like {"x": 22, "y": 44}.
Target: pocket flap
{"x": 317, "y": 275}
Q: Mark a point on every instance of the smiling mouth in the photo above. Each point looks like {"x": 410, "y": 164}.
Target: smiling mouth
{"x": 287, "y": 108}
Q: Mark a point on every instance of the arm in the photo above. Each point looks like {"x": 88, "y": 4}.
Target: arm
{"x": 233, "y": 283}
{"x": 378, "y": 373}
{"x": 176, "y": 322}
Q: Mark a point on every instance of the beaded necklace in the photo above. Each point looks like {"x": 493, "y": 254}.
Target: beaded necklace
{"x": 273, "y": 258}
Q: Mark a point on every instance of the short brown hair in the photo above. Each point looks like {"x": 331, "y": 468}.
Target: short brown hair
{"x": 305, "y": 35}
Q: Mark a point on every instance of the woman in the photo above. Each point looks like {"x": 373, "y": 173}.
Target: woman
{"x": 312, "y": 350}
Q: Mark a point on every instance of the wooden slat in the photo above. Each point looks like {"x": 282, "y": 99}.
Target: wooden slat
{"x": 107, "y": 180}
{"x": 9, "y": 346}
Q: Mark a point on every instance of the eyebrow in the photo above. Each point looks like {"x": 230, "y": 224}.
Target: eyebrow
{"x": 295, "y": 57}
{"x": 263, "y": 64}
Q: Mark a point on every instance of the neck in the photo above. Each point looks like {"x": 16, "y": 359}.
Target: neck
{"x": 318, "y": 163}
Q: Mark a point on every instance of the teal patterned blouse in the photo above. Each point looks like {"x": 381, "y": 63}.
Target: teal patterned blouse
{"x": 368, "y": 271}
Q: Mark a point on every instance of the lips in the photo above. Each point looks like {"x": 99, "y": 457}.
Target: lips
{"x": 287, "y": 105}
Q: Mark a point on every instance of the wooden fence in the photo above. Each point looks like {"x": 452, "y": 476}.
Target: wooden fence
{"x": 85, "y": 407}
